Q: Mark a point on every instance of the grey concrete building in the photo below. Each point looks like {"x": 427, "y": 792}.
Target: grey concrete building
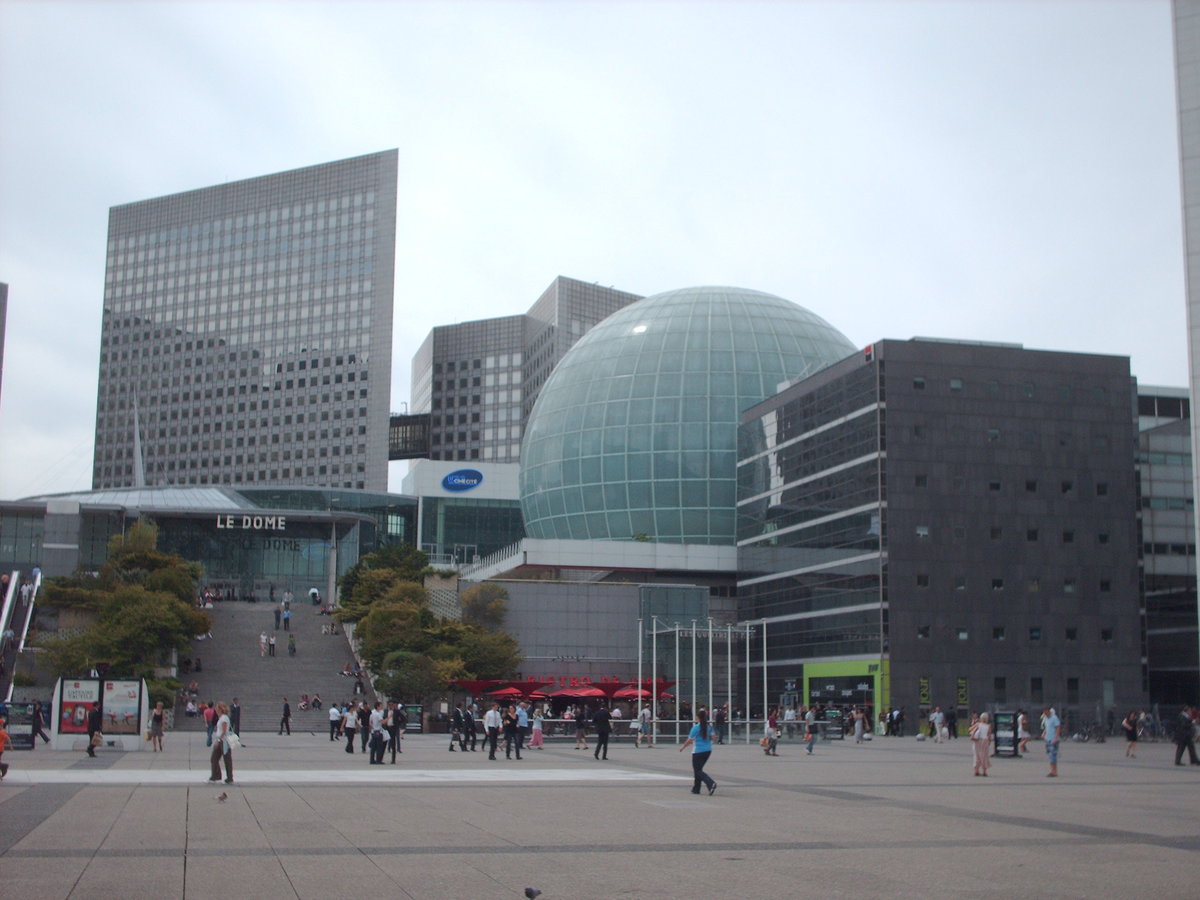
{"x": 953, "y": 524}
{"x": 247, "y": 332}
{"x": 478, "y": 380}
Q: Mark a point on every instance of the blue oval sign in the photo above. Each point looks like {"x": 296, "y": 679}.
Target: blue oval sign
{"x": 462, "y": 480}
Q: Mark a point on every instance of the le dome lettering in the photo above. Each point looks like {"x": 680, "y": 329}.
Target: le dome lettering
{"x": 252, "y": 523}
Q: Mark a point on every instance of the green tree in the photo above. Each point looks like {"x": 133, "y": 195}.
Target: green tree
{"x": 485, "y": 605}
{"x": 142, "y": 601}
{"x": 405, "y": 561}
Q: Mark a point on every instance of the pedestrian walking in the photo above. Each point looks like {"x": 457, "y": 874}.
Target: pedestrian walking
{"x": 277, "y": 611}
{"x": 535, "y": 738}
{"x": 1130, "y": 727}
{"x": 349, "y": 726}
{"x": 700, "y": 739}
{"x": 39, "y": 721}
{"x": 93, "y": 730}
{"x": 5, "y": 744}
{"x": 291, "y": 645}
{"x": 262, "y": 644}
{"x": 981, "y": 744}
{"x": 287, "y": 620}
{"x": 1053, "y": 734}
{"x": 158, "y": 722}
{"x": 271, "y": 645}
{"x": 235, "y": 716}
{"x": 492, "y": 723}
{"x": 1185, "y": 737}
{"x": 335, "y": 721}
{"x": 222, "y": 746}
{"x": 602, "y": 721}
{"x": 286, "y": 721}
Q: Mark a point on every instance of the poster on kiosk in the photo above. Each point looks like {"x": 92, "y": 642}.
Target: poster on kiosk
{"x": 124, "y": 712}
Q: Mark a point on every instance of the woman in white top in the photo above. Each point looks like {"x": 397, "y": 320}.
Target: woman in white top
{"x": 535, "y": 739}
{"x": 981, "y": 744}
{"x": 221, "y": 748}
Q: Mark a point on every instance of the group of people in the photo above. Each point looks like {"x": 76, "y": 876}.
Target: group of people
{"x": 380, "y": 727}
{"x": 267, "y": 643}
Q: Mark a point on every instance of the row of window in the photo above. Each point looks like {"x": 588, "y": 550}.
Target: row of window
{"x": 1064, "y": 392}
{"x": 502, "y": 360}
{"x": 956, "y": 434}
{"x": 1032, "y": 584}
{"x": 1066, "y": 487}
{"x": 996, "y": 533}
{"x": 1000, "y": 633}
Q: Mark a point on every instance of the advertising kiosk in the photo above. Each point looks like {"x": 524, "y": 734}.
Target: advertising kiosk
{"x": 123, "y": 706}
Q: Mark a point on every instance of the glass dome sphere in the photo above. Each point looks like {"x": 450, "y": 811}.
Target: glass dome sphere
{"x": 634, "y": 435}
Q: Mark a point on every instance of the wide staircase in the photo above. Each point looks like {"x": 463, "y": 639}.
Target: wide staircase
{"x": 231, "y": 666}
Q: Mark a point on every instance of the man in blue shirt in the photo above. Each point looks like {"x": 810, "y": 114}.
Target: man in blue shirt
{"x": 1053, "y": 733}
{"x": 522, "y": 726}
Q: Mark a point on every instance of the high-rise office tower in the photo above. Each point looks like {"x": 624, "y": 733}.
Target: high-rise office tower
{"x": 247, "y": 332}
{"x": 478, "y": 380}
{"x": 3, "y": 318}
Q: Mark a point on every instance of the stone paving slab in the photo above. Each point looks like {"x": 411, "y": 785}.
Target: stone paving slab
{"x": 892, "y": 818}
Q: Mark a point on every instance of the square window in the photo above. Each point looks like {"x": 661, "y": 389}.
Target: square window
{"x": 922, "y": 531}
{"x": 922, "y": 632}
{"x": 1068, "y": 536}
{"x": 956, "y": 384}
{"x": 918, "y": 432}
{"x": 1035, "y": 690}
{"x": 1106, "y": 635}
{"x": 1031, "y": 485}
{"x": 960, "y": 582}
{"x": 1067, "y": 487}
{"x": 1068, "y": 585}
{"x": 997, "y": 532}
{"x": 1102, "y": 537}
{"x": 1031, "y": 534}
{"x": 960, "y": 483}
{"x": 994, "y": 484}
{"x": 922, "y": 580}
{"x": 920, "y": 481}
{"x": 918, "y": 384}
{"x": 997, "y": 584}
{"x": 1035, "y": 633}
{"x": 1101, "y": 488}
{"x": 1105, "y": 586}
{"x": 998, "y": 633}
{"x": 993, "y": 435}
{"x": 1072, "y": 690}
{"x": 960, "y": 533}
{"x": 963, "y": 634}
{"x": 1000, "y": 689}
{"x": 1072, "y": 634}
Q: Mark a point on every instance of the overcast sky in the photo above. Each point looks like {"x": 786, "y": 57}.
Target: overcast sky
{"x": 1002, "y": 171}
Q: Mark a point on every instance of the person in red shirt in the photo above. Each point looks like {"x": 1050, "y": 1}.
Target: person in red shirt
{"x": 5, "y": 744}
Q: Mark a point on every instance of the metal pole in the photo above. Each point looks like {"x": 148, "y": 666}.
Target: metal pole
{"x": 710, "y": 672}
{"x": 693, "y": 667}
{"x": 637, "y": 703}
{"x": 653, "y": 679}
{"x": 749, "y": 631}
{"x": 729, "y": 677}
{"x": 764, "y": 671}
{"x": 678, "y": 682}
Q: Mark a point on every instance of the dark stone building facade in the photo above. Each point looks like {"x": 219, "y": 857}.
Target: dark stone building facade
{"x": 952, "y": 524}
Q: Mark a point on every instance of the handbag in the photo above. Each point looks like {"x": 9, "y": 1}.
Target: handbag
{"x": 234, "y": 742}
{"x": 764, "y": 741}
{"x": 97, "y": 739}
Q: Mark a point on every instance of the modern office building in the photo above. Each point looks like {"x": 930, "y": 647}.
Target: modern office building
{"x": 1168, "y": 543}
{"x": 478, "y": 380}
{"x": 3, "y": 320}
{"x": 1186, "y": 17}
{"x": 247, "y": 331}
{"x": 952, "y": 524}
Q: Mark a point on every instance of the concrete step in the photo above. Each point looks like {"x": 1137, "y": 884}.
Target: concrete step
{"x": 232, "y": 666}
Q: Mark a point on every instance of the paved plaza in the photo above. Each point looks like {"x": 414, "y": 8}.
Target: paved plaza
{"x": 891, "y": 818}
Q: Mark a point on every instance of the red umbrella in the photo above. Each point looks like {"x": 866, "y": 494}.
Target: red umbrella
{"x": 528, "y": 689}
{"x": 627, "y": 693}
{"x": 508, "y": 693}
{"x": 581, "y": 691}
{"x": 475, "y": 688}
